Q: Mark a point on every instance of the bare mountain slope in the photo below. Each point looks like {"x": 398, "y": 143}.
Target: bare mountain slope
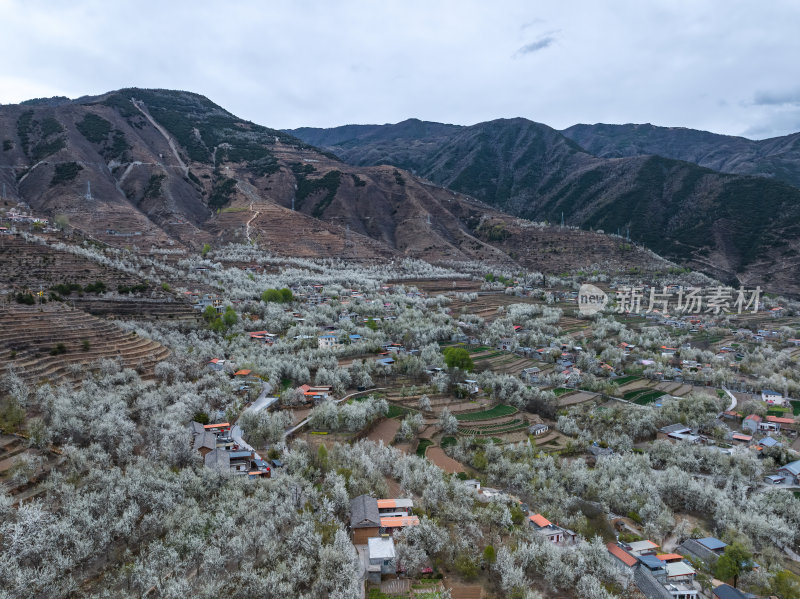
{"x": 777, "y": 158}
{"x": 739, "y": 228}
{"x": 169, "y": 167}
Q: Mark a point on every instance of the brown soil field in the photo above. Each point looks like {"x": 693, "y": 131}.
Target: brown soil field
{"x": 464, "y": 591}
{"x": 445, "y": 462}
{"x": 384, "y": 431}
{"x": 487, "y": 303}
{"x": 572, "y": 399}
{"x": 441, "y": 286}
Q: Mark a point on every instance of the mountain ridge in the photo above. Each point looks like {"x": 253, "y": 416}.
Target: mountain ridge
{"x": 740, "y": 228}
{"x": 160, "y": 167}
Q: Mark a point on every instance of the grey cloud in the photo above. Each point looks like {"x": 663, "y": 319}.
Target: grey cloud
{"x": 771, "y": 98}
{"x": 531, "y": 23}
{"x": 540, "y": 44}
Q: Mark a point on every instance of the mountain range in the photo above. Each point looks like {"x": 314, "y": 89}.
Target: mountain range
{"x": 160, "y": 167}
{"x": 143, "y": 167}
{"x": 725, "y": 205}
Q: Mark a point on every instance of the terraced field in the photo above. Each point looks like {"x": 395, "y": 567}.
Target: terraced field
{"x": 643, "y": 396}
{"x": 574, "y": 398}
{"x": 25, "y": 264}
{"x": 439, "y": 401}
{"x": 31, "y": 266}
{"x": 13, "y": 449}
{"x": 502, "y": 361}
{"x": 41, "y": 343}
{"x": 132, "y": 308}
{"x": 487, "y": 303}
{"x": 493, "y": 427}
{"x": 497, "y": 411}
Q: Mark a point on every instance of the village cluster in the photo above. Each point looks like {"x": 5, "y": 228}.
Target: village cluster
{"x": 446, "y": 431}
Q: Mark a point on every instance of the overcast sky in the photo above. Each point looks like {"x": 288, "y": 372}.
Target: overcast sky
{"x": 724, "y": 66}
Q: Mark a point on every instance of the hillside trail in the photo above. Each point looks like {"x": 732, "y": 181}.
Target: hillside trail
{"x": 141, "y": 108}
{"x": 252, "y": 194}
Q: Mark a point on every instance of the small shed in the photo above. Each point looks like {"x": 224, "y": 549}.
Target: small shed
{"x": 381, "y": 557}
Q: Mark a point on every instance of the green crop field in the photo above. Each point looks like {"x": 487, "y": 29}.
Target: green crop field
{"x": 624, "y": 380}
{"x": 423, "y": 445}
{"x": 398, "y": 411}
{"x": 495, "y": 412}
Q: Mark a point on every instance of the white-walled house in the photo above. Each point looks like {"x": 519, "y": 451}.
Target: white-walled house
{"x": 772, "y": 397}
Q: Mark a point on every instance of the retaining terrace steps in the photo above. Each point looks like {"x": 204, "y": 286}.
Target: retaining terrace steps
{"x": 138, "y": 307}
{"x": 148, "y": 356}
{"x": 32, "y": 331}
{"x": 23, "y": 262}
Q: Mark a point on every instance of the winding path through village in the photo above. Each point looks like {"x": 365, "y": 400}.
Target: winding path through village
{"x": 259, "y": 404}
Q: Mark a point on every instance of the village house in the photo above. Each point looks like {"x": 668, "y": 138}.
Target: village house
{"x": 264, "y": 337}
{"x": 774, "y": 479}
{"x": 315, "y": 394}
{"x": 550, "y": 531}
{"x": 621, "y": 558}
{"x": 791, "y": 471}
{"x": 218, "y": 460}
{"x": 469, "y": 385}
{"x": 674, "y": 432}
{"x": 385, "y": 362}
{"x": 394, "y": 507}
{"x": 768, "y": 443}
{"x": 531, "y": 375}
{"x": 216, "y": 364}
{"x": 707, "y": 549}
{"x": 207, "y": 438}
{"x": 783, "y": 423}
{"x": 771, "y": 397}
{"x": 751, "y": 423}
{"x": 390, "y": 524}
{"x": 506, "y": 344}
{"x": 640, "y": 548}
{"x": 726, "y": 591}
{"x": 207, "y": 300}
{"x": 538, "y": 429}
{"x": 328, "y": 341}
{"x": 365, "y": 520}
{"x": 741, "y": 438}
{"x": 770, "y": 425}
{"x": 381, "y": 558}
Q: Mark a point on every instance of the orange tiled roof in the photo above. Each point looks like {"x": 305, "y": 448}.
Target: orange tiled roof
{"x": 780, "y": 420}
{"x": 539, "y": 520}
{"x": 399, "y": 521}
{"x": 621, "y": 554}
{"x": 666, "y": 557}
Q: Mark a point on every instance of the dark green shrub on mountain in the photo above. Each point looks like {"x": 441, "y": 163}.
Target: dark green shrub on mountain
{"x": 94, "y": 128}
{"x": 153, "y": 189}
{"x": 47, "y": 148}
{"x": 65, "y": 172}
{"x": 222, "y": 192}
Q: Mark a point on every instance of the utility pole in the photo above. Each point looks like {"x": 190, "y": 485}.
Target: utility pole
{"x": 88, "y": 195}
{"x": 562, "y": 219}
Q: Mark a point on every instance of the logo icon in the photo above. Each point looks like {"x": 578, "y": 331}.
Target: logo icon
{"x": 591, "y": 299}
